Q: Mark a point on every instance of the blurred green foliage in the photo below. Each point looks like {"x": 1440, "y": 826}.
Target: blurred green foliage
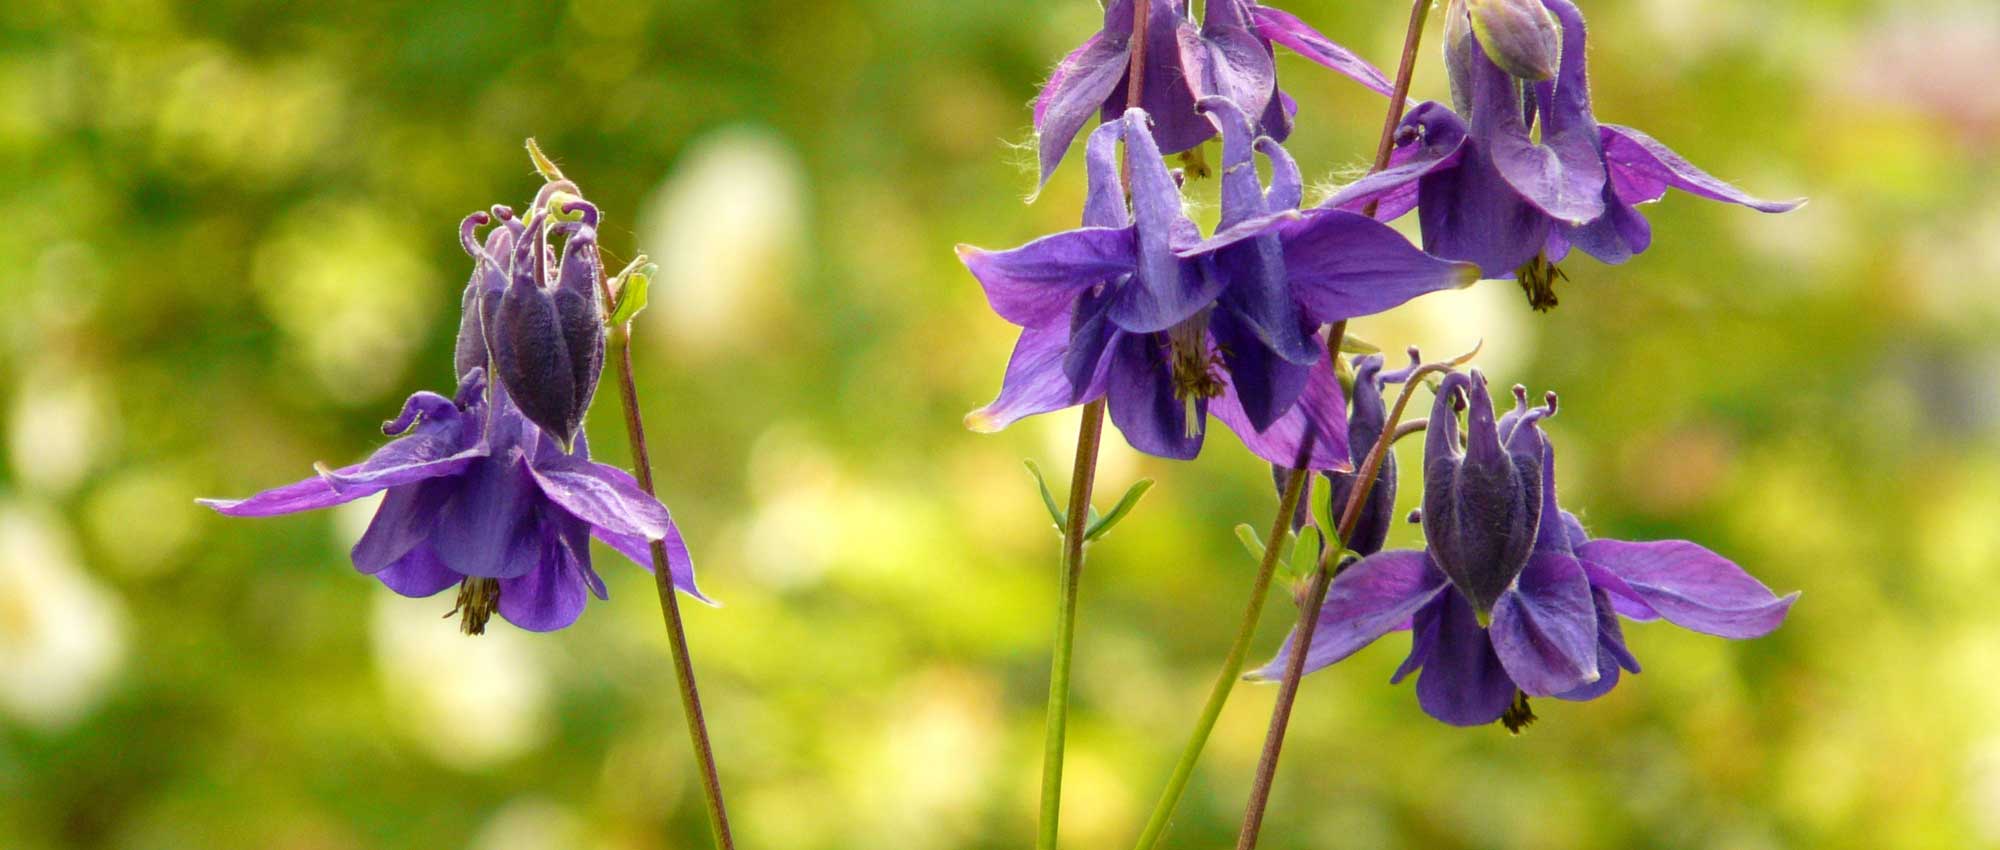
{"x": 231, "y": 252}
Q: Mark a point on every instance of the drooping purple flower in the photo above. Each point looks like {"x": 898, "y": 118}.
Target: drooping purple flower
{"x": 1553, "y": 628}
{"x": 1137, "y": 308}
{"x": 1230, "y": 55}
{"x": 1488, "y": 189}
{"x": 479, "y": 497}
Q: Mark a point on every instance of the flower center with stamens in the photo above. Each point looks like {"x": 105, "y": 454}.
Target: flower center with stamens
{"x": 477, "y": 598}
{"x": 1518, "y": 715}
{"x": 1194, "y": 366}
{"x": 1538, "y": 279}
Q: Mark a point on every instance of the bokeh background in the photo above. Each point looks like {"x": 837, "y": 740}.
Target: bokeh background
{"x": 231, "y": 252}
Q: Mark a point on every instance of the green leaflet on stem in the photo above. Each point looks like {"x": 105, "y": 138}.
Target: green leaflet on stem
{"x": 1096, "y": 525}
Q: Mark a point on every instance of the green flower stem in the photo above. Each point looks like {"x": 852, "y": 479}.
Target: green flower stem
{"x": 1331, "y": 562}
{"x": 1088, "y": 437}
{"x": 670, "y": 608}
{"x": 619, "y": 343}
{"x": 1232, "y": 665}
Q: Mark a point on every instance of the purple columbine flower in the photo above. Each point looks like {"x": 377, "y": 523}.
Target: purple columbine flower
{"x": 480, "y": 497}
{"x": 1553, "y": 628}
{"x": 1492, "y": 192}
{"x": 1137, "y": 308}
{"x": 1229, "y": 55}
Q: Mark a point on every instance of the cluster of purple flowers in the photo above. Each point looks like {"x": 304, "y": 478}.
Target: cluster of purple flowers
{"x": 1168, "y": 326}
{"x": 493, "y": 490}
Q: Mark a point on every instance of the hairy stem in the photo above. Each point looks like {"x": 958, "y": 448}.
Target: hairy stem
{"x": 670, "y": 609}
{"x": 1330, "y": 564}
{"x": 1232, "y": 664}
{"x": 620, "y": 343}
{"x": 1288, "y": 687}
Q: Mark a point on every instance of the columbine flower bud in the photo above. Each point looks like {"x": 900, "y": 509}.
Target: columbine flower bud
{"x": 1482, "y": 502}
{"x": 548, "y": 336}
{"x": 1366, "y": 417}
{"x": 1520, "y": 36}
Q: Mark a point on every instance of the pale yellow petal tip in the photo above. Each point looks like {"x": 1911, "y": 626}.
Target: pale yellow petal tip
{"x": 1468, "y": 274}
{"x": 965, "y": 252}
{"x": 983, "y": 422}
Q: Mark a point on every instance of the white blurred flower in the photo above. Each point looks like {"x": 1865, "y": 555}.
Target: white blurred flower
{"x": 62, "y": 635}
{"x": 532, "y": 824}
{"x": 727, "y": 229}
{"x": 471, "y": 701}
{"x": 61, "y": 423}
{"x": 1449, "y": 323}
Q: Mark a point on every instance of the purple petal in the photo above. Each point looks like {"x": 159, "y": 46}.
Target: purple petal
{"x": 401, "y": 523}
{"x": 1612, "y": 656}
{"x": 1373, "y": 597}
{"x": 418, "y": 574}
{"x": 1642, "y": 169}
{"x": 1104, "y": 196}
{"x": 1226, "y": 60}
{"x": 488, "y": 528}
{"x": 1342, "y": 265}
{"x": 1692, "y": 587}
{"x": 1075, "y": 92}
{"x": 1285, "y": 29}
{"x": 1242, "y": 195}
{"x": 1164, "y": 291}
{"x": 602, "y": 495}
{"x": 1545, "y": 630}
{"x": 1320, "y": 410}
{"x": 1463, "y": 682}
{"x": 1620, "y": 234}
{"x": 1036, "y": 282}
{"x": 1430, "y": 140}
{"x": 549, "y": 597}
{"x": 1564, "y": 175}
{"x": 1168, "y": 99}
{"x": 576, "y": 544}
{"x": 1265, "y": 384}
{"x": 1288, "y": 188}
{"x": 1140, "y": 393}
{"x": 1035, "y": 381}
{"x": 680, "y": 565}
{"x": 1470, "y": 213}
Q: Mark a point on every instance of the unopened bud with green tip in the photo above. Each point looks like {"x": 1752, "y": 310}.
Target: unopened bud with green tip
{"x": 1521, "y": 36}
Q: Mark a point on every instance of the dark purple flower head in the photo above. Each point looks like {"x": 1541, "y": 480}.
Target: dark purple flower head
{"x": 1496, "y": 189}
{"x": 477, "y": 496}
{"x": 1554, "y": 630}
{"x": 1137, "y": 308}
{"x": 1229, "y": 55}
{"x": 1482, "y": 501}
{"x": 543, "y": 328}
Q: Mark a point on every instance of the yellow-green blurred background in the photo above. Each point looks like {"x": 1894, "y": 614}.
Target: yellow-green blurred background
{"x": 230, "y": 251}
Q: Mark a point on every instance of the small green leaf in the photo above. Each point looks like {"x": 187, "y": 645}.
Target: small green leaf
{"x": 1322, "y": 508}
{"x": 1250, "y": 542}
{"x": 631, "y": 298}
{"x": 1099, "y": 526}
{"x": 1048, "y": 499}
{"x": 1305, "y": 555}
{"x": 1351, "y": 344}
